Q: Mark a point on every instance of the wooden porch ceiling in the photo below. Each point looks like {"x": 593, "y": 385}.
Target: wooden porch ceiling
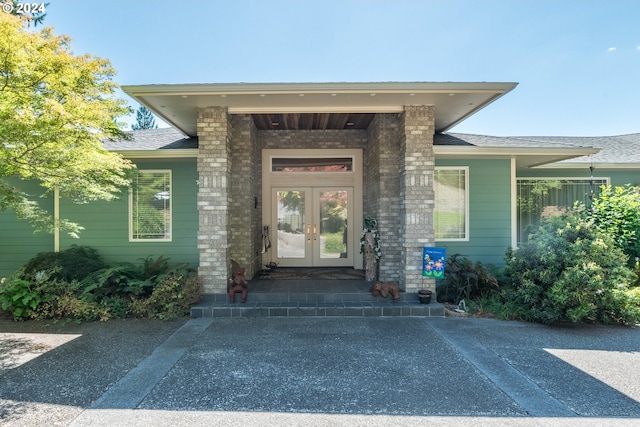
{"x": 312, "y": 121}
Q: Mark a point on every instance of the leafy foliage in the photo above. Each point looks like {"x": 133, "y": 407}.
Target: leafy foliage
{"x": 464, "y": 280}
{"x": 153, "y": 289}
{"x": 19, "y": 297}
{"x": 616, "y": 212}
{"x": 144, "y": 119}
{"x": 34, "y": 14}
{"x": 569, "y": 271}
{"x": 55, "y": 109}
{"x": 74, "y": 263}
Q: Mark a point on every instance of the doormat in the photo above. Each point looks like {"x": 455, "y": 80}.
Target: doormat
{"x": 309, "y": 273}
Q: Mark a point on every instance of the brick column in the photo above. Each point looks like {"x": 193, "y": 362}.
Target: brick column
{"x": 214, "y": 169}
{"x": 416, "y": 192}
{"x": 245, "y": 219}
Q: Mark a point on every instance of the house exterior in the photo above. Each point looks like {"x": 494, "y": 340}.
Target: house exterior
{"x": 285, "y": 173}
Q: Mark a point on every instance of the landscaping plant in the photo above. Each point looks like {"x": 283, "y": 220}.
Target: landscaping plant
{"x": 570, "y": 271}
{"x": 50, "y": 286}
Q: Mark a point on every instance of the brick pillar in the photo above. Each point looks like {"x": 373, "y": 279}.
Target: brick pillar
{"x": 382, "y": 186}
{"x": 417, "y": 164}
{"x": 214, "y": 169}
{"x": 245, "y": 217}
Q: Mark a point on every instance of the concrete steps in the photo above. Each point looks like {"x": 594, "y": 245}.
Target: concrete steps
{"x": 334, "y": 298}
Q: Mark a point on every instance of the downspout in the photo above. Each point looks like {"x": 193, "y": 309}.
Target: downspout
{"x": 514, "y": 205}
{"x": 56, "y": 219}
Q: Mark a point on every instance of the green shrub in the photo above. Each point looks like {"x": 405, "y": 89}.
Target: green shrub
{"x": 616, "y": 211}
{"x": 464, "y": 280}
{"x": 569, "y": 271}
{"x": 19, "y": 297}
{"x": 174, "y": 295}
{"x": 74, "y": 263}
{"x": 152, "y": 289}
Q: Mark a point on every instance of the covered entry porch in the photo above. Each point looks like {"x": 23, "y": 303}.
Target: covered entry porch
{"x": 391, "y": 124}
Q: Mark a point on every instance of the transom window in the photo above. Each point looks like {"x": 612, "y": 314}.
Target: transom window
{"x": 150, "y": 206}
{"x": 314, "y": 164}
{"x": 451, "y": 212}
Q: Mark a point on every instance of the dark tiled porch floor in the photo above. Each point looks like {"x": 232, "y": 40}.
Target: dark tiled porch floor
{"x": 315, "y": 298}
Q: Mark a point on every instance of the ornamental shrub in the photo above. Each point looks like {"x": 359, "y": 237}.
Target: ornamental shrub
{"x": 153, "y": 289}
{"x": 616, "y": 212}
{"x": 74, "y": 263}
{"x": 570, "y": 271}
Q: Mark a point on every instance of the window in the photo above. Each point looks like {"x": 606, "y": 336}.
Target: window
{"x": 150, "y": 206}
{"x": 543, "y": 197}
{"x": 314, "y": 164}
{"x": 451, "y": 212}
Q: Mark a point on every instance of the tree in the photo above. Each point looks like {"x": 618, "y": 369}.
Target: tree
{"x": 30, "y": 12}
{"x": 55, "y": 110}
{"x": 144, "y": 119}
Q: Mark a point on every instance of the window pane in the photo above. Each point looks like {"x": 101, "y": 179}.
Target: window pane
{"x": 319, "y": 164}
{"x": 151, "y": 206}
{"x": 451, "y": 200}
{"x": 539, "y": 198}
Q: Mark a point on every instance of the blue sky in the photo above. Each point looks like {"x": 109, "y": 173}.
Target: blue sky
{"x": 577, "y": 62}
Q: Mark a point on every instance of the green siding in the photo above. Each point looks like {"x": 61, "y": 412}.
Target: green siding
{"x": 18, "y": 242}
{"x": 489, "y": 210}
{"x": 107, "y": 225}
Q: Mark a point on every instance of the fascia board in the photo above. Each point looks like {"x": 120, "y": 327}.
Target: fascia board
{"x": 159, "y": 154}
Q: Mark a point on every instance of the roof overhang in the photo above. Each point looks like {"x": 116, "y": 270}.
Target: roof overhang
{"x": 583, "y": 165}
{"x": 526, "y": 157}
{"x": 178, "y": 104}
{"x": 158, "y": 154}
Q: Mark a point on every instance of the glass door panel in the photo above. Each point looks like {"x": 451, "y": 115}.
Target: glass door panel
{"x": 332, "y": 214}
{"x": 333, "y": 206}
{"x": 313, "y": 226}
{"x": 291, "y": 206}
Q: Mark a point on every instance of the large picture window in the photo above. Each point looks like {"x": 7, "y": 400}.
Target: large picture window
{"x": 150, "y": 206}
{"x": 543, "y": 197}
{"x": 451, "y": 212}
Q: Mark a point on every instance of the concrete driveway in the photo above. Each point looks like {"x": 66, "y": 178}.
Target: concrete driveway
{"x": 318, "y": 371}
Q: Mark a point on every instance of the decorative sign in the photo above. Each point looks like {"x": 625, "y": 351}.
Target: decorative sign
{"x": 433, "y": 262}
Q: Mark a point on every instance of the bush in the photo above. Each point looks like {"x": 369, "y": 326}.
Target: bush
{"x": 19, "y": 297}
{"x": 464, "y": 280}
{"x": 569, "y": 271}
{"x": 74, "y": 263}
{"x": 153, "y": 289}
{"x": 616, "y": 212}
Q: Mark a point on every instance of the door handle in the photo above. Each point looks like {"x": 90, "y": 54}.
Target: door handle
{"x": 308, "y": 232}
{"x": 314, "y": 233}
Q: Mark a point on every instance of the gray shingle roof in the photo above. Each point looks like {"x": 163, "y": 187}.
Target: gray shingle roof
{"x": 153, "y": 139}
{"x": 613, "y": 149}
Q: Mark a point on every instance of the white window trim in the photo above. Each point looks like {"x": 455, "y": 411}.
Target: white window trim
{"x": 131, "y": 239}
{"x": 466, "y": 204}
{"x": 562, "y": 178}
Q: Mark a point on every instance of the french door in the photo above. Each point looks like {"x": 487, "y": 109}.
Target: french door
{"x": 314, "y": 226}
